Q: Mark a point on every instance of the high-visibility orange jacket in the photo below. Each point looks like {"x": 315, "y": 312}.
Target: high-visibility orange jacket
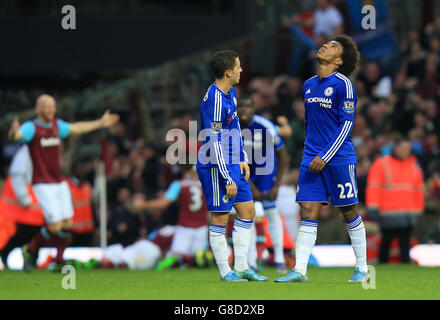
{"x": 82, "y": 207}
{"x": 11, "y": 212}
{"x": 7, "y": 230}
{"x": 12, "y": 209}
{"x": 395, "y": 187}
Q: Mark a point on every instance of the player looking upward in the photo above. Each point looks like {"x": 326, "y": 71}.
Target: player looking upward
{"x": 42, "y": 136}
{"x": 270, "y": 157}
{"x": 328, "y": 168}
{"x": 223, "y": 171}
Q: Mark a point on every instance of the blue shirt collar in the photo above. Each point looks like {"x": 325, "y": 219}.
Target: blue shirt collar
{"x": 43, "y": 124}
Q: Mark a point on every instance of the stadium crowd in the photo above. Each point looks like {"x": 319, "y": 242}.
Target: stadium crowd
{"x": 401, "y": 104}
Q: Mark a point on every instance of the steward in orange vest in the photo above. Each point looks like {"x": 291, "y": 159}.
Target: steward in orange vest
{"x": 82, "y": 206}
{"x": 83, "y": 226}
{"x": 11, "y": 208}
{"x": 395, "y": 197}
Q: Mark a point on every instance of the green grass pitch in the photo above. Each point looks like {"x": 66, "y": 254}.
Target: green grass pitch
{"x": 392, "y": 282}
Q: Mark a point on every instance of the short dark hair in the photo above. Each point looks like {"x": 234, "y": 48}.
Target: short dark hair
{"x": 222, "y": 61}
{"x": 246, "y": 98}
{"x": 350, "y": 56}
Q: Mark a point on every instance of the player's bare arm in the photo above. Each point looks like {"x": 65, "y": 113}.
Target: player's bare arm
{"x": 244, "y": 167}
{"x": 256, "y": 193}
{"x": 140, "y": 204}
{"x": 81, "y": 127}
{"x": 284, "y": 127}
{"x": 14, "y": 134}
{"x": 317, "y": 165}
{"x": 231, "y": 190}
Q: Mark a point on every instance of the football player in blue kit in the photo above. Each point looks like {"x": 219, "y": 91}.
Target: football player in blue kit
{"x": 268, "y": 160}
{"x": 328, "y": 168}
{"x": 223, "y": 170}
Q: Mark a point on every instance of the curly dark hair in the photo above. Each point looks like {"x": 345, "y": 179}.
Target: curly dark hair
{"x": 350, "y": 56}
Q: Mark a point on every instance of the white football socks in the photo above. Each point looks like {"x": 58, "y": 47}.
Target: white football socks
{"x": 276, "y": 234}
{"x": 252, "y": 252}
{"x": 356, "y": 230}
{"x": 241, "y": 236}
{"x": 304, "y": 244}
{"x": 219, "y": 247}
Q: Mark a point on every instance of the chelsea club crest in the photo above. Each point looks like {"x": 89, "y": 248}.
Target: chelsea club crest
{"x": 328, "y": 92}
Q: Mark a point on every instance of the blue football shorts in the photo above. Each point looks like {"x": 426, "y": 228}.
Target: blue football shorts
{"x": 214, "y": 188}
{"x": 337, "y": 184}
{"x": 264, "y": 183}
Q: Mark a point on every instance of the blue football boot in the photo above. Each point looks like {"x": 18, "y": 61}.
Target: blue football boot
{"x": 359, "y": 276}
{"x": 251, "y": 275}
{"x": 293, "y": 276}
{"x": 231, "y": 276}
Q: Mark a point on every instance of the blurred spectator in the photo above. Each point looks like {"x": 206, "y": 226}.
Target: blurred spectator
{"x": 327, "y": 19}
{"x": 395, "y": 198}
{"x": 295, "y": 143}
{"x": 326, "y": 22}
{"x": 125, "y": 224}
{"x": 118, "y": 137}
{"x": 83, "y": 219}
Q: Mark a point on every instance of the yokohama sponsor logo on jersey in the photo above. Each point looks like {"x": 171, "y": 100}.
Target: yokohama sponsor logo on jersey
{"x": 319, "y": 99}
{"x": 50, "y": 142}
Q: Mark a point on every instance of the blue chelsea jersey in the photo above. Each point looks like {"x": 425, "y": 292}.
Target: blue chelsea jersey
{"x": 261, "y": 144}
{"x": 329, "y": 115}
{"x": 222, "y": 142}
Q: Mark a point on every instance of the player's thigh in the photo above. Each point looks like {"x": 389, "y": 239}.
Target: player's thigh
{"x": 311, "y": 187}
{"x": 182, "y": 239}
{"x": 245, "y": 210}
{"x": 341, "y": 184}
{"x": 214, "y": 190}
{"x": 244, "y": 201}
{"x": 310, "y": 210}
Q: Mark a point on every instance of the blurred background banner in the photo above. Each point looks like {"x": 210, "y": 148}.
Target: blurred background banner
{"x": 375, "y": 44}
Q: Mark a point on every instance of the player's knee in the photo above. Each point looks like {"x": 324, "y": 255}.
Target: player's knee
{"x": 67, "y": 224}
{"x": 245, "y": 210}
{"x": 220, "y": 219}
{"x": 247, "y": 213}
{"x": 349, "y": 212}
{"x": 55, "y": 227}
